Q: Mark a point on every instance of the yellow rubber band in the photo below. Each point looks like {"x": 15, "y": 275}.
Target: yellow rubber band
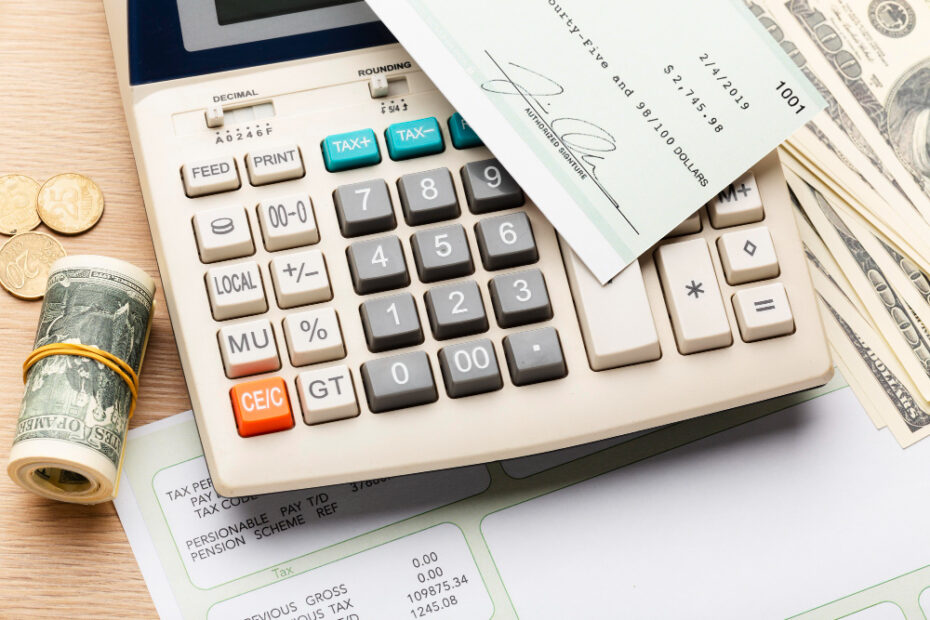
{"x": 121, "y": 368}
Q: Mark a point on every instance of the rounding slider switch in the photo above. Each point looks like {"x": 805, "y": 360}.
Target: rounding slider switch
{"x": 379, "y": 87}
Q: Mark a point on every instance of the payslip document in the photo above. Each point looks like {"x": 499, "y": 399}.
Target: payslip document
{"x": 619, "y": 119}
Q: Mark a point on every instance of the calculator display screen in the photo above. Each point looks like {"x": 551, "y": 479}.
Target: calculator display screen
{"x": 234, "y": 11}
{"x": 200, "y": 37}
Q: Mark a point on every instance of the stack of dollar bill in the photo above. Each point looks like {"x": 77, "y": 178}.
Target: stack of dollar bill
{"x": 860, "y": 177}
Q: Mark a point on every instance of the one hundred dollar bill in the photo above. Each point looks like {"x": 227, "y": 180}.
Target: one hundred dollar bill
{"x": 891, "y": 306}
{"x": 874, "y": 60}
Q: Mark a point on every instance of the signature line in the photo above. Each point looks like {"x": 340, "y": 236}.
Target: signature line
{"x": 578, "y": 160}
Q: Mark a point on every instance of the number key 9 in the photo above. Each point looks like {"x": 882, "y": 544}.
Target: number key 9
{"x": 488, "y": 187}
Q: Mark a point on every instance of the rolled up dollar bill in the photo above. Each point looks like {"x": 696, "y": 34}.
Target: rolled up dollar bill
{"x": 79, "y": 395}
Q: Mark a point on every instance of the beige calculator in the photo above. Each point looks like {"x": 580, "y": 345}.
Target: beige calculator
{"x": 359, "y": 289}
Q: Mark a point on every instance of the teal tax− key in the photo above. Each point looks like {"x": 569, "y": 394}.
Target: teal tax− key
{"x": 414, "y": 138}
{"x": 463, "y": 136}
{"x": 353, "y": 149}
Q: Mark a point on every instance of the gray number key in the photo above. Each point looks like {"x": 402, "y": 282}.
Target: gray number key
{"x": 506, "y": 241}
{"x": 488, "y": 187}
{"x": 428, "y": 196}
{"x": 455, "y": 310}
{"x": 534, "y": 356}
{"x": 391, "y": 322}
{"x": 364, "y": 208}
{"x": 441, "y": 253}
{"x": 520, "y": 298}
{"x": 377, "y": 265}
{"x": 398, "y": 381}
{"x": 470, "y": 368}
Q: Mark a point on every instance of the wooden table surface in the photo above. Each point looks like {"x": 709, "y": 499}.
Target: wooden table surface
{"x": 60, "y": 111}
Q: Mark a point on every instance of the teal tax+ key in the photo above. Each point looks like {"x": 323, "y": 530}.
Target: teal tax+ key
{"x": 414, "y": 138}
{"x": 353, "y": 149}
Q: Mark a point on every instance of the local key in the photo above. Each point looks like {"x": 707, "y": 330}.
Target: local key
{"x": 236, "y": 290}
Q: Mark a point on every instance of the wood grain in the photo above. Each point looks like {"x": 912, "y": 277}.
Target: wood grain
{"x": 60, "y": 111}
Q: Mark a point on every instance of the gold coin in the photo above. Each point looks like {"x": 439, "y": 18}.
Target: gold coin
{"x": 70, "y": 203}
{"x": 18, "y": 204}
{"x": 25, "y": 261}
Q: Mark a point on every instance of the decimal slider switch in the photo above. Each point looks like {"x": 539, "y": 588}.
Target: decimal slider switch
{"x": 616, "y": 320}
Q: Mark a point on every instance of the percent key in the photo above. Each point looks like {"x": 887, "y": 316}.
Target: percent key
{"x": 313, "y": 336}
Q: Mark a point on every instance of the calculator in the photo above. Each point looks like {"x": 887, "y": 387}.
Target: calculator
{"x": 359, "y": 289}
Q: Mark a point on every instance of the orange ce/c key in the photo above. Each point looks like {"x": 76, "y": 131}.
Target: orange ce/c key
{"x": 261, "y": 406}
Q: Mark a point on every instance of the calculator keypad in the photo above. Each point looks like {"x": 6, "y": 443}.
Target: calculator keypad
{"x": 428, "y": 197}
{"x": 377, "y": 265}
{"x": 364, "y": 208}
{"x": 441, "y": 253}
{"x": 391, "y": 322}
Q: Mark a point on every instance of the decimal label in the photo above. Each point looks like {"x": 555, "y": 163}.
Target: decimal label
{"x": 223, "y": 538}
{"x": 430, "y": 574}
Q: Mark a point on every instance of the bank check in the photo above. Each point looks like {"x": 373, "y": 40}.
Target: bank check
{"x": 619, "y": 119}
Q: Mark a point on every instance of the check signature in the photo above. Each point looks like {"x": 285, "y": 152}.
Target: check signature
{"x": 587, "y": 141}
